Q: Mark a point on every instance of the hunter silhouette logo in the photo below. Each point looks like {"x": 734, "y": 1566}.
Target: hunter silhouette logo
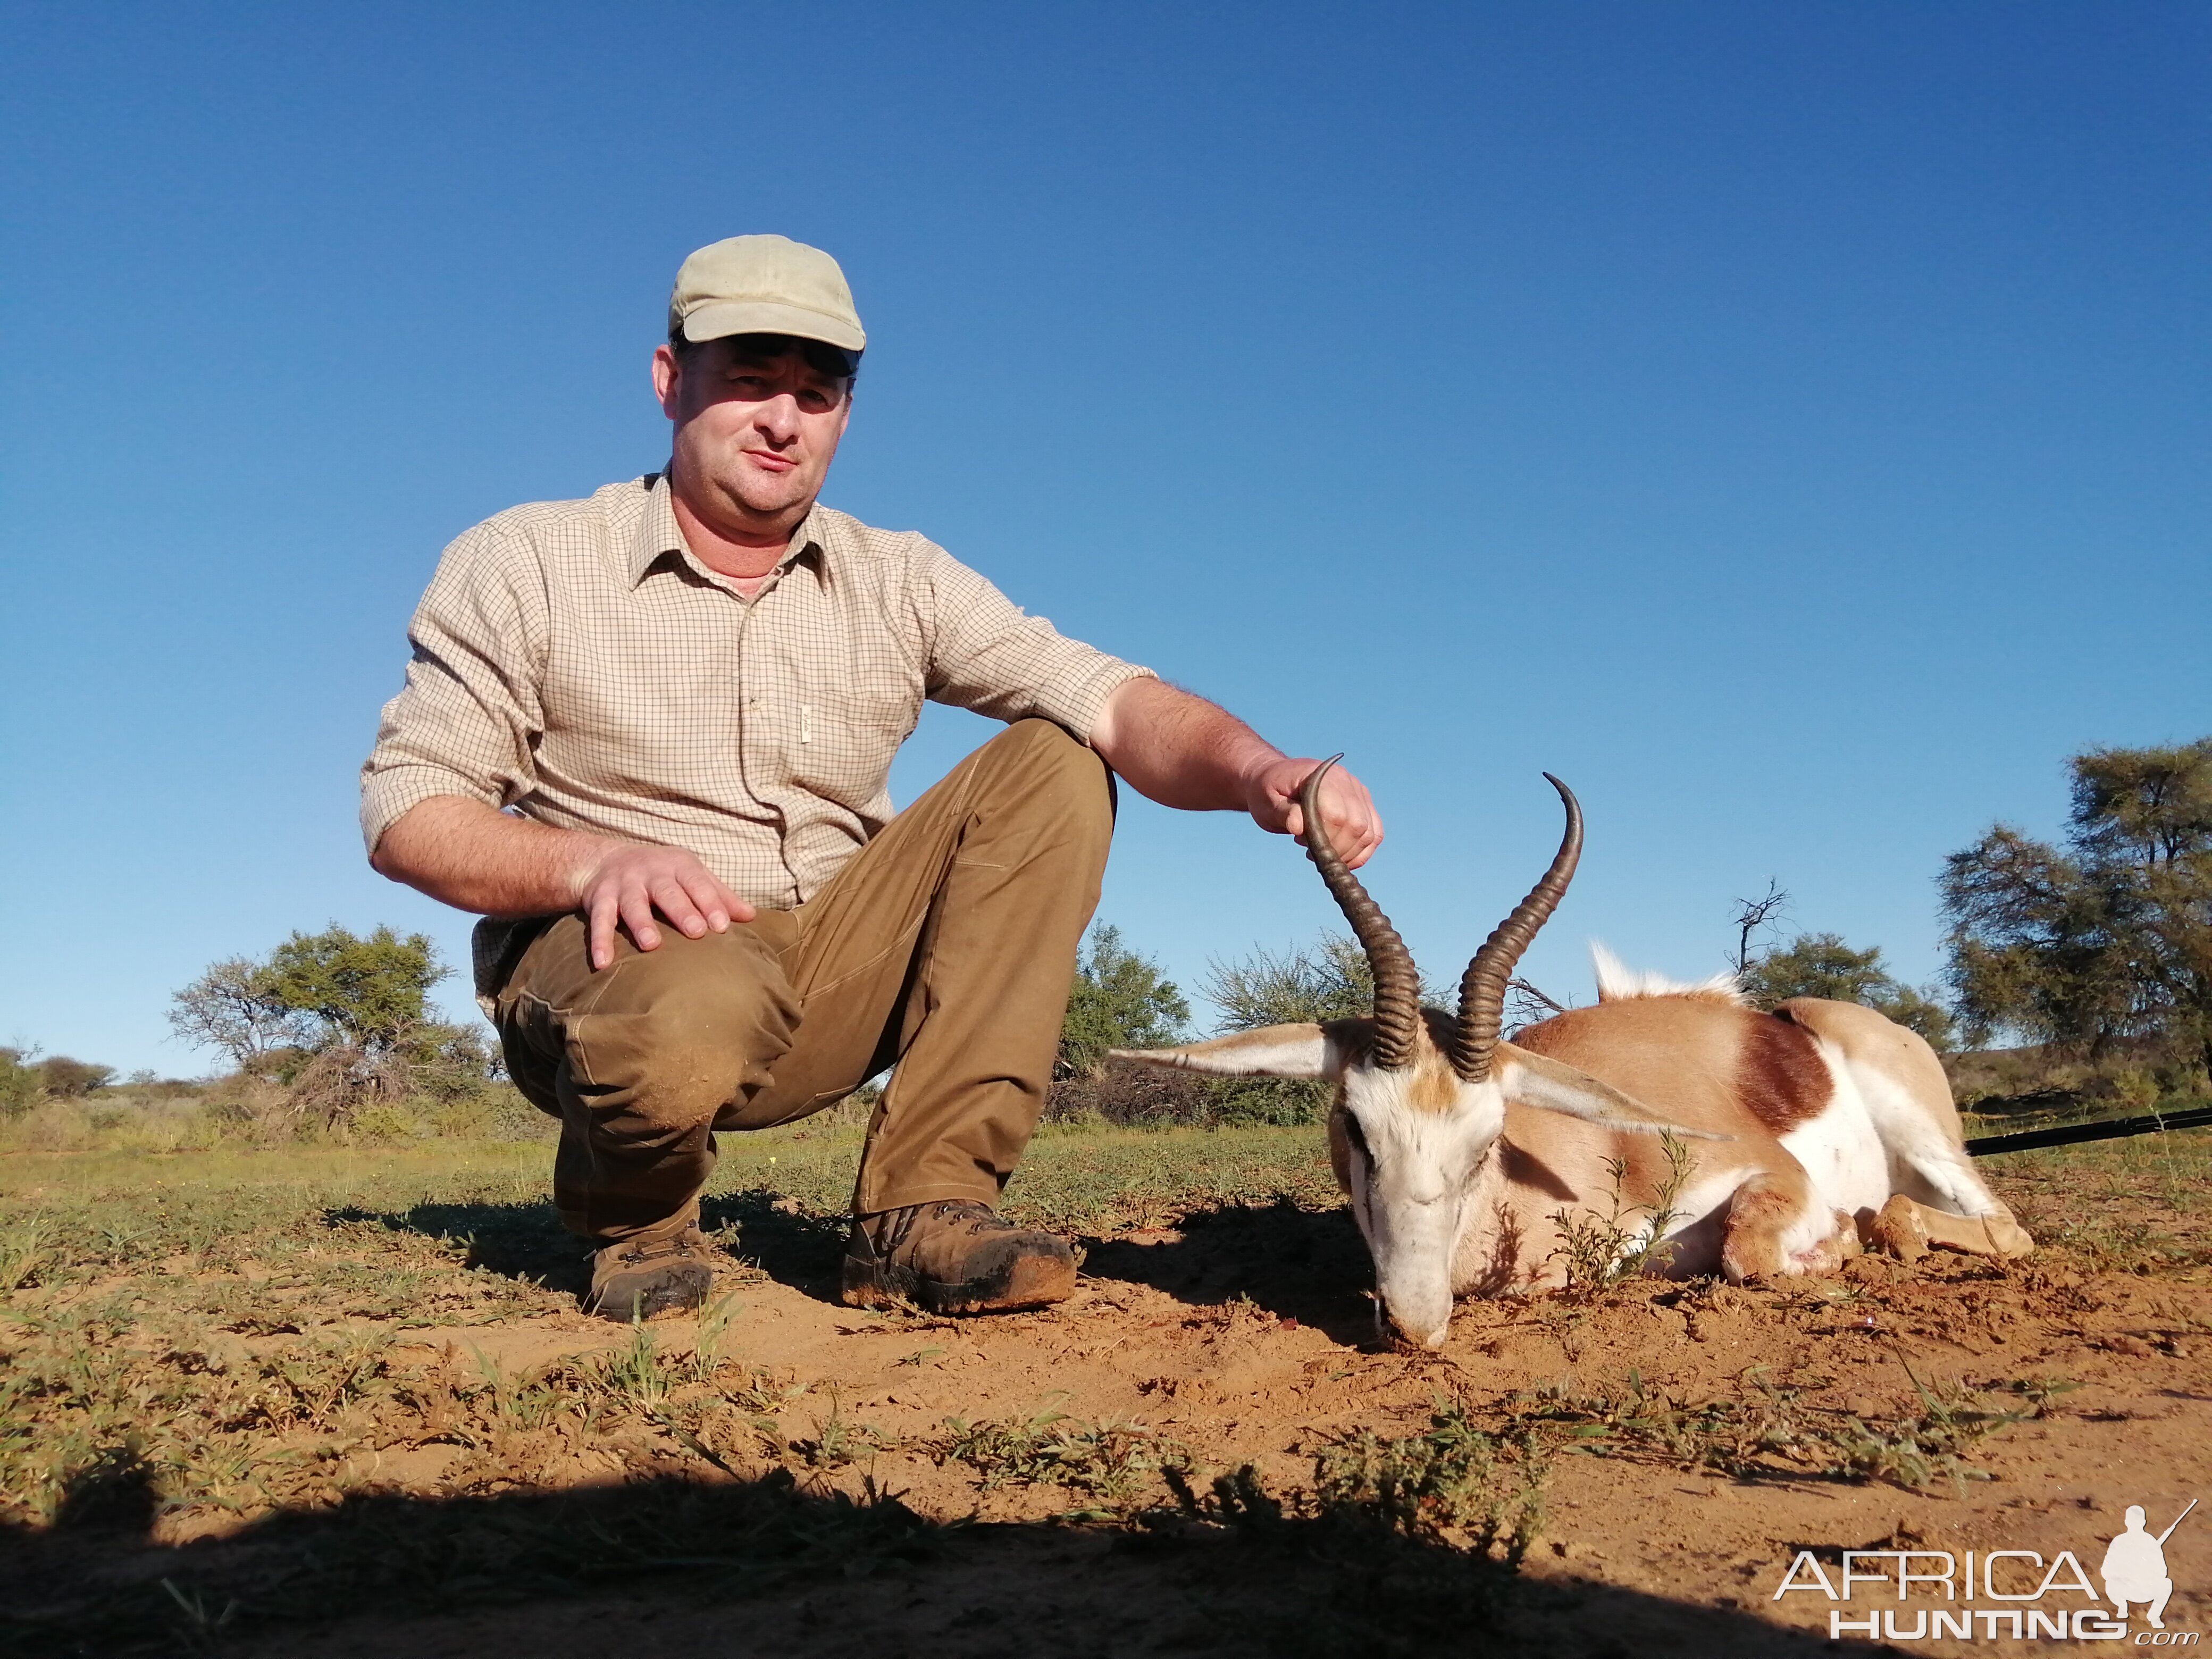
{"x": 2025, "y": 1597}
{"x": 2134, "y": 1567}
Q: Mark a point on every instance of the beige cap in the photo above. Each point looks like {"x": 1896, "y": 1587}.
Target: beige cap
{"x": 765, "y": 285}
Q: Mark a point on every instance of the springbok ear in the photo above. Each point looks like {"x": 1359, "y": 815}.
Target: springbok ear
{"x": 1531, "y": 1079}
{"x": 1272, "y": 1051}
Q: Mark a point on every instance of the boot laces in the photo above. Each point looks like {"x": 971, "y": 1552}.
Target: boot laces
{"x": 898, "y": 1226}
{"x": 676, "y": 1243}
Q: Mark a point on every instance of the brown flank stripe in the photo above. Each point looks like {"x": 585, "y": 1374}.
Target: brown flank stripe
{"x": 1779, "y": 1076}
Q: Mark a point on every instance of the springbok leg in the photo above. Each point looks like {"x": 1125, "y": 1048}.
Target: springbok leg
{"x": 1907, "y": 1229}
{"x": 1778, "y": 1229}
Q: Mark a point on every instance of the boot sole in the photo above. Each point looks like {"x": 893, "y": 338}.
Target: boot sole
{"x": 1035, "y": 1281}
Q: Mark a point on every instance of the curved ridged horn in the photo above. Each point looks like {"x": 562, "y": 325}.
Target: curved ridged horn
{"x": 1397, "y": 982}
{"x": 1482, "y": 988}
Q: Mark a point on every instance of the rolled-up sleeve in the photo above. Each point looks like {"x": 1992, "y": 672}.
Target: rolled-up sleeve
{"x": 466, "y": 721}
{"x": 987, "y": 655}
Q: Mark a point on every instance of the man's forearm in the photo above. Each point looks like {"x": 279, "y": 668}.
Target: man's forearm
{"x": 475, "y": 857}
{"x": 1178, "y": 749}
{"x": 1181, "y": 751}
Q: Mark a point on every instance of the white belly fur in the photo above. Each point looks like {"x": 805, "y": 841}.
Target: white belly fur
{"x": 1841, "y": 1150}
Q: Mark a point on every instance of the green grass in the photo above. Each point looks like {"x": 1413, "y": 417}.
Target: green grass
{"x": 2143, "y": 1205}
{"x": 1453, "y": 1483}
{"x": 1080, "y": 1180}
{"x": 1771, "y": 1432}
{"x": 213, "y": 1336}
{"x": 216, "y": 1327}
{"x": 1113, "y": 1464}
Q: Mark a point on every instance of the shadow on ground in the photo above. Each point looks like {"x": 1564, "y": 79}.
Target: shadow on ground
{"x": 1291, "y": 1262}
{"x": 1294, "y": 1263}
{"x": 768, "y": 1566}
{"x": 516, "y": 1240}
{"x": 527, "y": 1242}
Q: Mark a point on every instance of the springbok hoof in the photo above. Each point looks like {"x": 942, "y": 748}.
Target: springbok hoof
{"x": 1898, "y": 1230}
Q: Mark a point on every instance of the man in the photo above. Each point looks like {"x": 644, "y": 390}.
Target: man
{"x": 647, "y": 735}
{"x": 2134, "y": 1567}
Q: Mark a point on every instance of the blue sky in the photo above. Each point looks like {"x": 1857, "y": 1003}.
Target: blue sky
{"x": 1787, "y": 422}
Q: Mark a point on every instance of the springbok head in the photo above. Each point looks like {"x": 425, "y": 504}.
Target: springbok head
{"x": 1420, "y": 1095}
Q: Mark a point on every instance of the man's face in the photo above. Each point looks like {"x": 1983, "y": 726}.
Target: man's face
{"x": 754, "y": 434}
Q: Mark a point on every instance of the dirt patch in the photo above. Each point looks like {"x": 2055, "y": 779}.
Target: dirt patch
{"x": 795, "y": 1474}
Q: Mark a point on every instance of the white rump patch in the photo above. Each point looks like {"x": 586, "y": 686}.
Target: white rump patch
{"x": 1618, "y": 983}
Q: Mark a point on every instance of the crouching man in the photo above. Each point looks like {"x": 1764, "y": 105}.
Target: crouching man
{"x": 647, "y": 735}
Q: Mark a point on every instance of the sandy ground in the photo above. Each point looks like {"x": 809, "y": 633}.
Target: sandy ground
{"x": 1246, "y": 1335}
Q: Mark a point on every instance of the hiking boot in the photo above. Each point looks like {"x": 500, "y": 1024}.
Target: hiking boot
{"x": 654, "y": 1274}
{"x": 954, "y": 1256}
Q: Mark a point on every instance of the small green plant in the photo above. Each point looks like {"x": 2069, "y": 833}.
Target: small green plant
{"x": 837, "y": 1441}
{"x": 636, "y": 1372}
{"x": 1772, "y": 1432}
{"x": 2039, "y": 1391}
{"x": 1110, "y": 1461}
{"x": 19, "y": 1254}
{"x": 761, "y": 1394}
{"x": 1451, "y": 1483}
{"x": 199, "y": 1627}
{"x": 1600, "y": 1249}
{"x": 713, "y": 1326}
{"x": 1914, "y": 1449}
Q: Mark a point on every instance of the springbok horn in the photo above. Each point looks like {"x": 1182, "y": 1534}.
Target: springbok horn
{"x": 1482, "y": 988}
{"x": 1397, "y": 982}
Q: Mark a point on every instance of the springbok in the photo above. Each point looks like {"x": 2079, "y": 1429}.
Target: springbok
{"x": 1810, "y": 1129}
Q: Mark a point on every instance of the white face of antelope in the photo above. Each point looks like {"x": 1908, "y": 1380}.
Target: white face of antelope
{"x": 1408, "y": 1141}
{"x": 1411, "y": 1142}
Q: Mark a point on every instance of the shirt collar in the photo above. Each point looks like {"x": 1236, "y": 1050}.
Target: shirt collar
{"x": 658, "y": 535}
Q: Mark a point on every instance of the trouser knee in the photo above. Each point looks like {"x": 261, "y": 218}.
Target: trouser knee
{"x": 651, "y": 1048}
{"x": 1036, "y": 768}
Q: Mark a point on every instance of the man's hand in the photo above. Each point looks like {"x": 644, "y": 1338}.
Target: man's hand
{"x": 1183, "y": 751}
{"x": 475, "y": 857}
{"x": 1355, "y": 828}
{"x": 628, "y": 886}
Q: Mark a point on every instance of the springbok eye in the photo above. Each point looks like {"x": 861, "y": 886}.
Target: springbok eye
{"x": 1356, "y": 1135}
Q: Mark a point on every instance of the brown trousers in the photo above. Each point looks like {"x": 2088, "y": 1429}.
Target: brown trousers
{"x": 946, "y": 945}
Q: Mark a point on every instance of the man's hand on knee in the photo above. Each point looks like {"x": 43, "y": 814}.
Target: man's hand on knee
{"x": 626, "y": 888}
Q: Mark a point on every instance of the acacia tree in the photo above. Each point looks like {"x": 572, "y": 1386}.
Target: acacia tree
{"x": 1119, "y": 1001}
{"x": 66, "y": 1078}
{"x": 368, "y": 993}
{"x": 316, "y": 990}
{"x": 234, "y": 1006}
{"x": 2109, "y": 936}
{"x": 349, "y": 1016}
